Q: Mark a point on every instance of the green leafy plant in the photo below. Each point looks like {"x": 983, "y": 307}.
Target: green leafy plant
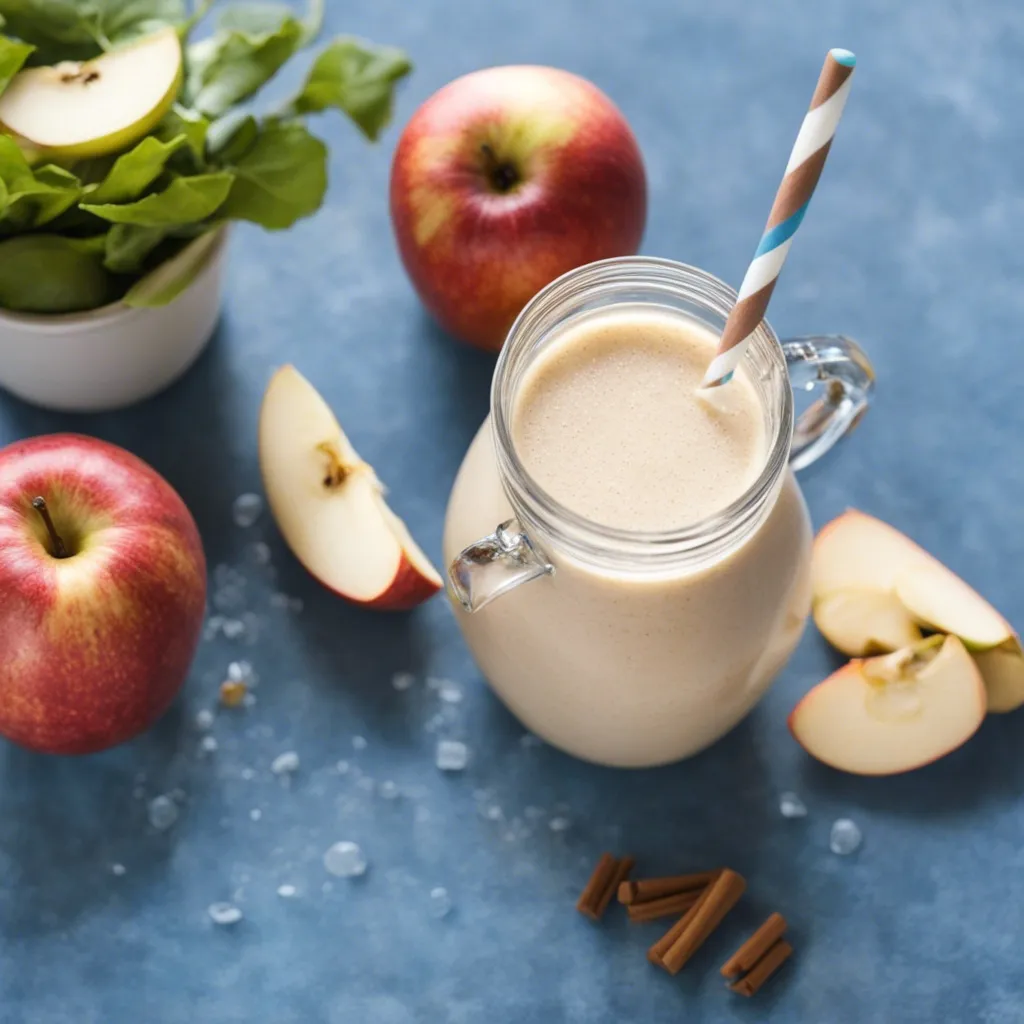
{"x": 137, "y": 225}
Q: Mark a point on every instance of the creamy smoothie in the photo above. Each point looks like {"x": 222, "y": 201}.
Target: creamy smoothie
{"x": 636, "y": 668}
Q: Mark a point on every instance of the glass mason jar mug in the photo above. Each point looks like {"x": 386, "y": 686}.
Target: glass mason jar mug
{"x": 630, "y": 648}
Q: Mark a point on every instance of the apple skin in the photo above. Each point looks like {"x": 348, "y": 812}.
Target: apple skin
{"x": 477, "y": 255}
{"x": 95, "y": 646}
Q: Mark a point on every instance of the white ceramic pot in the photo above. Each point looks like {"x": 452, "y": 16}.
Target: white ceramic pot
{"x": 111, "y": 357}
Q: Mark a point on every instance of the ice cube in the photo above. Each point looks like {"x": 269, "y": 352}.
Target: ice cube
{"x": 345, "y": 859}
{"x": 451, "y": 756}
{"x": 246, "y": 510}
{"x": 163, "y": 812}
{"x": 844, "y": 838}
{"x": 224, "y": 913}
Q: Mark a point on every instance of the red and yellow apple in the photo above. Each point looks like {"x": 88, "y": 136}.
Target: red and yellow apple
{"x": 504, "y": 180}
{"x": 102, "y": 594}
{"x": 329, "y": 504}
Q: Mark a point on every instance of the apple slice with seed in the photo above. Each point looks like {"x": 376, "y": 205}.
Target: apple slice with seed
{"x": 865, "y": 622}
{"x": 1002, "y": 668}
{"x": 330, "y": 505}
{"x": 887, "y": 715}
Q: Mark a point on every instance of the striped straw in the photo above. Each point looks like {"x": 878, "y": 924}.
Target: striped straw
{"x": 791, "y": 201}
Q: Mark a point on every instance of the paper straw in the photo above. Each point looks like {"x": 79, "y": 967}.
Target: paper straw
{"x": 791, "y": 201}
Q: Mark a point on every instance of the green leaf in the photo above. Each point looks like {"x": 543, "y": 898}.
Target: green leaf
{"x": 183, "y": 201}
{"x": 281, "y": 178}
{"x": 357, "y": 78}
{"x": 134, "y": 171}
{"x": 182, "y": 121}
{"x": 173, "y": 276}
{"x": 233, "y": 64}
{"x": 128, "y": 245}
{"x": 12, "y": 55}
{"x": 121, "y": 20}
{"x": 52, "y": 274}
{"x": 33, "y": 198}
{"x": 232, "y": 136}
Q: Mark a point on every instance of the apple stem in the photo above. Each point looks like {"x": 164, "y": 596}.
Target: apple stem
{"x": 59, "y": 550}
{"x": 502, "y": 174}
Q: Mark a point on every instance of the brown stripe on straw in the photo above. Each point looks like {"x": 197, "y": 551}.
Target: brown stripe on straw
{"x": 833, "y": 74}
{"x": 797, "y": 187}
{"x": 745, "y": 316}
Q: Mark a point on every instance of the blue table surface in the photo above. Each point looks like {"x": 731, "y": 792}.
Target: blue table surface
{"x": 912, "y": 246}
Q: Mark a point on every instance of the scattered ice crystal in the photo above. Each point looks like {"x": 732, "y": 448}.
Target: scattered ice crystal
{"x": 532, "y": 813}
{"x": 388, "y": 790}
{"x": 434, "y": 723}
{"x": 366, "y": 783}
{"x": 402, "y": 681}
{"x": 207, "y": 745}
{"x": 450, "y": 693}
{"x": 247, "y": 774}
{"x": 163, "y": 812}
{"x": 287, "y": 891}
{"x": 493, "y": 813}
{"x": 255, "y": 814}
{"x": 452, "y": 756}
{"x": 118, "y": 869}
{"x": 559, "y": 824}
{"x": 433, "y": 683}
{"x": 204, "y": 719}
{"x": 285, "y": 764}
{"x": 440, "y": 902}
{"x": 241, "y": 672}
{"x": 224, "y": 913}
{"x": 233, "y": 628}
{"x": 341, "y": 767}
{"x": 791, "y": 806}
{"x": 259, "y": 553}
{"x": 214, "y": 624}
{"x": 246, "y": 510}
{"x": 358, "y": 743}
{"x": 278, "y": 600}
{"x": 345, "y": 859}
{"x": 844, "y": 838}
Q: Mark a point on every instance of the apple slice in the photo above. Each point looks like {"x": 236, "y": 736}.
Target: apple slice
{"x": 892, "y": 714}
{"x": 330, "y": 505}
{"x": 865, "y": 622}
{"x": 939, "y": 600}
{"x": 1002, "y": 668}
{"x": 74, "y": 110}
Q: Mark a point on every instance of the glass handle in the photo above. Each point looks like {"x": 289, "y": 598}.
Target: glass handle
{"x": 494, "y": 565}
{"x": 839, "y": 378}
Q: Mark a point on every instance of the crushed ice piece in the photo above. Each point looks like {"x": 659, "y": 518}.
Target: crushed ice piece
{"x": 207, "y": 745}
{"x": 435, "y": 723}
{"x": 528, "y": 740}
{"x": 389, "y": 790}
{"x": 791, "y": 806}
{"x": 258, "y": 553}
{"x": 450, "y": 693}
{"x": 255, "y": 814}
{"x": 118, "y": 869}
{"x": 451, "y": 756}
{"x": 285, "y": 764}
{"x": 229, "y": 598}
{"x": 345, "y": 859}
{"x": 247, "y": 774}
{"x": 341, "y": 767}
{"x": 493, "y": 813}
{"x": 204, "y": 719}
{"x": 844, "y": 838}
{"x": 440, "y": 902}
{"x": 224, "y": 913}
{"x": 559, "y": 824}
{"x": 242, "y": 672}
{"x": 249, "y": 700}
{"x": 246, "y": 510}
{"x": 163, "y": 812}
{"x": 278, "y": 600}
{"x": 213, "y": 625}
{"x": 233, "y": 628}
{"x": 251, "y": 627}
{"x": 359, "y": 743}
{"x": 403, "y": 681}
{"x": 287, "y": 891}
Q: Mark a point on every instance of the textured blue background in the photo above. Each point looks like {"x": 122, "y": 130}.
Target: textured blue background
{"x": 912, "y": 246}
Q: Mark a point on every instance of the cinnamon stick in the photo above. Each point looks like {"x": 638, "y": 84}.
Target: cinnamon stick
{"x": 763, "y": 969}
{"x": 718, "y": 899}
{"x": 621, "y": 870}
{"x": 656, "y": 953}
{"x": 755, "y": 947}
{"x": 599, "y": 882}
{"x": 655, "y": 888}
{"x": 667, "y": 906}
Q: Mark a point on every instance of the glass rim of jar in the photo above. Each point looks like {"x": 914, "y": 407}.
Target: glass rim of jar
{"x": 543, "y": 516}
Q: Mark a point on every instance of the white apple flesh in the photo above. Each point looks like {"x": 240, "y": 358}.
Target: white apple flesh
{"x": 73, "y": 110}
{"x": 330, "y": 505}
{"x": 892, "y": 714}
{"x": 864, "y": 622}
{"x": 1002, "y": 668}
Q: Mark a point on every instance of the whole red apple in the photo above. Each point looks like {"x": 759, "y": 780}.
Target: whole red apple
{"x": 102, "y": 594}
{"x": 504, "y": 180}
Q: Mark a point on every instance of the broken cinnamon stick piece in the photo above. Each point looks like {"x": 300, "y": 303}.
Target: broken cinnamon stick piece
{"x": 667, "y": 906}
{"x": 718, "y": 899}
{"x": 755, "y": 947}
{"x": 599, "y": 881}
{"x": 657, "y": 952}
{"x": 655, "y": 888}
{"x": 763, "y": 969}
{"x": 619, "y": 873}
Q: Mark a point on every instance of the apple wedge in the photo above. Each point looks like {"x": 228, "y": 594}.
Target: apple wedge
{"x": 892, "y": 714}
{"x": 1002, "y": 668}
{"x": 73, "y": 110}
{"x": 864, "y": 622}
{"x": 330, "y": 505}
